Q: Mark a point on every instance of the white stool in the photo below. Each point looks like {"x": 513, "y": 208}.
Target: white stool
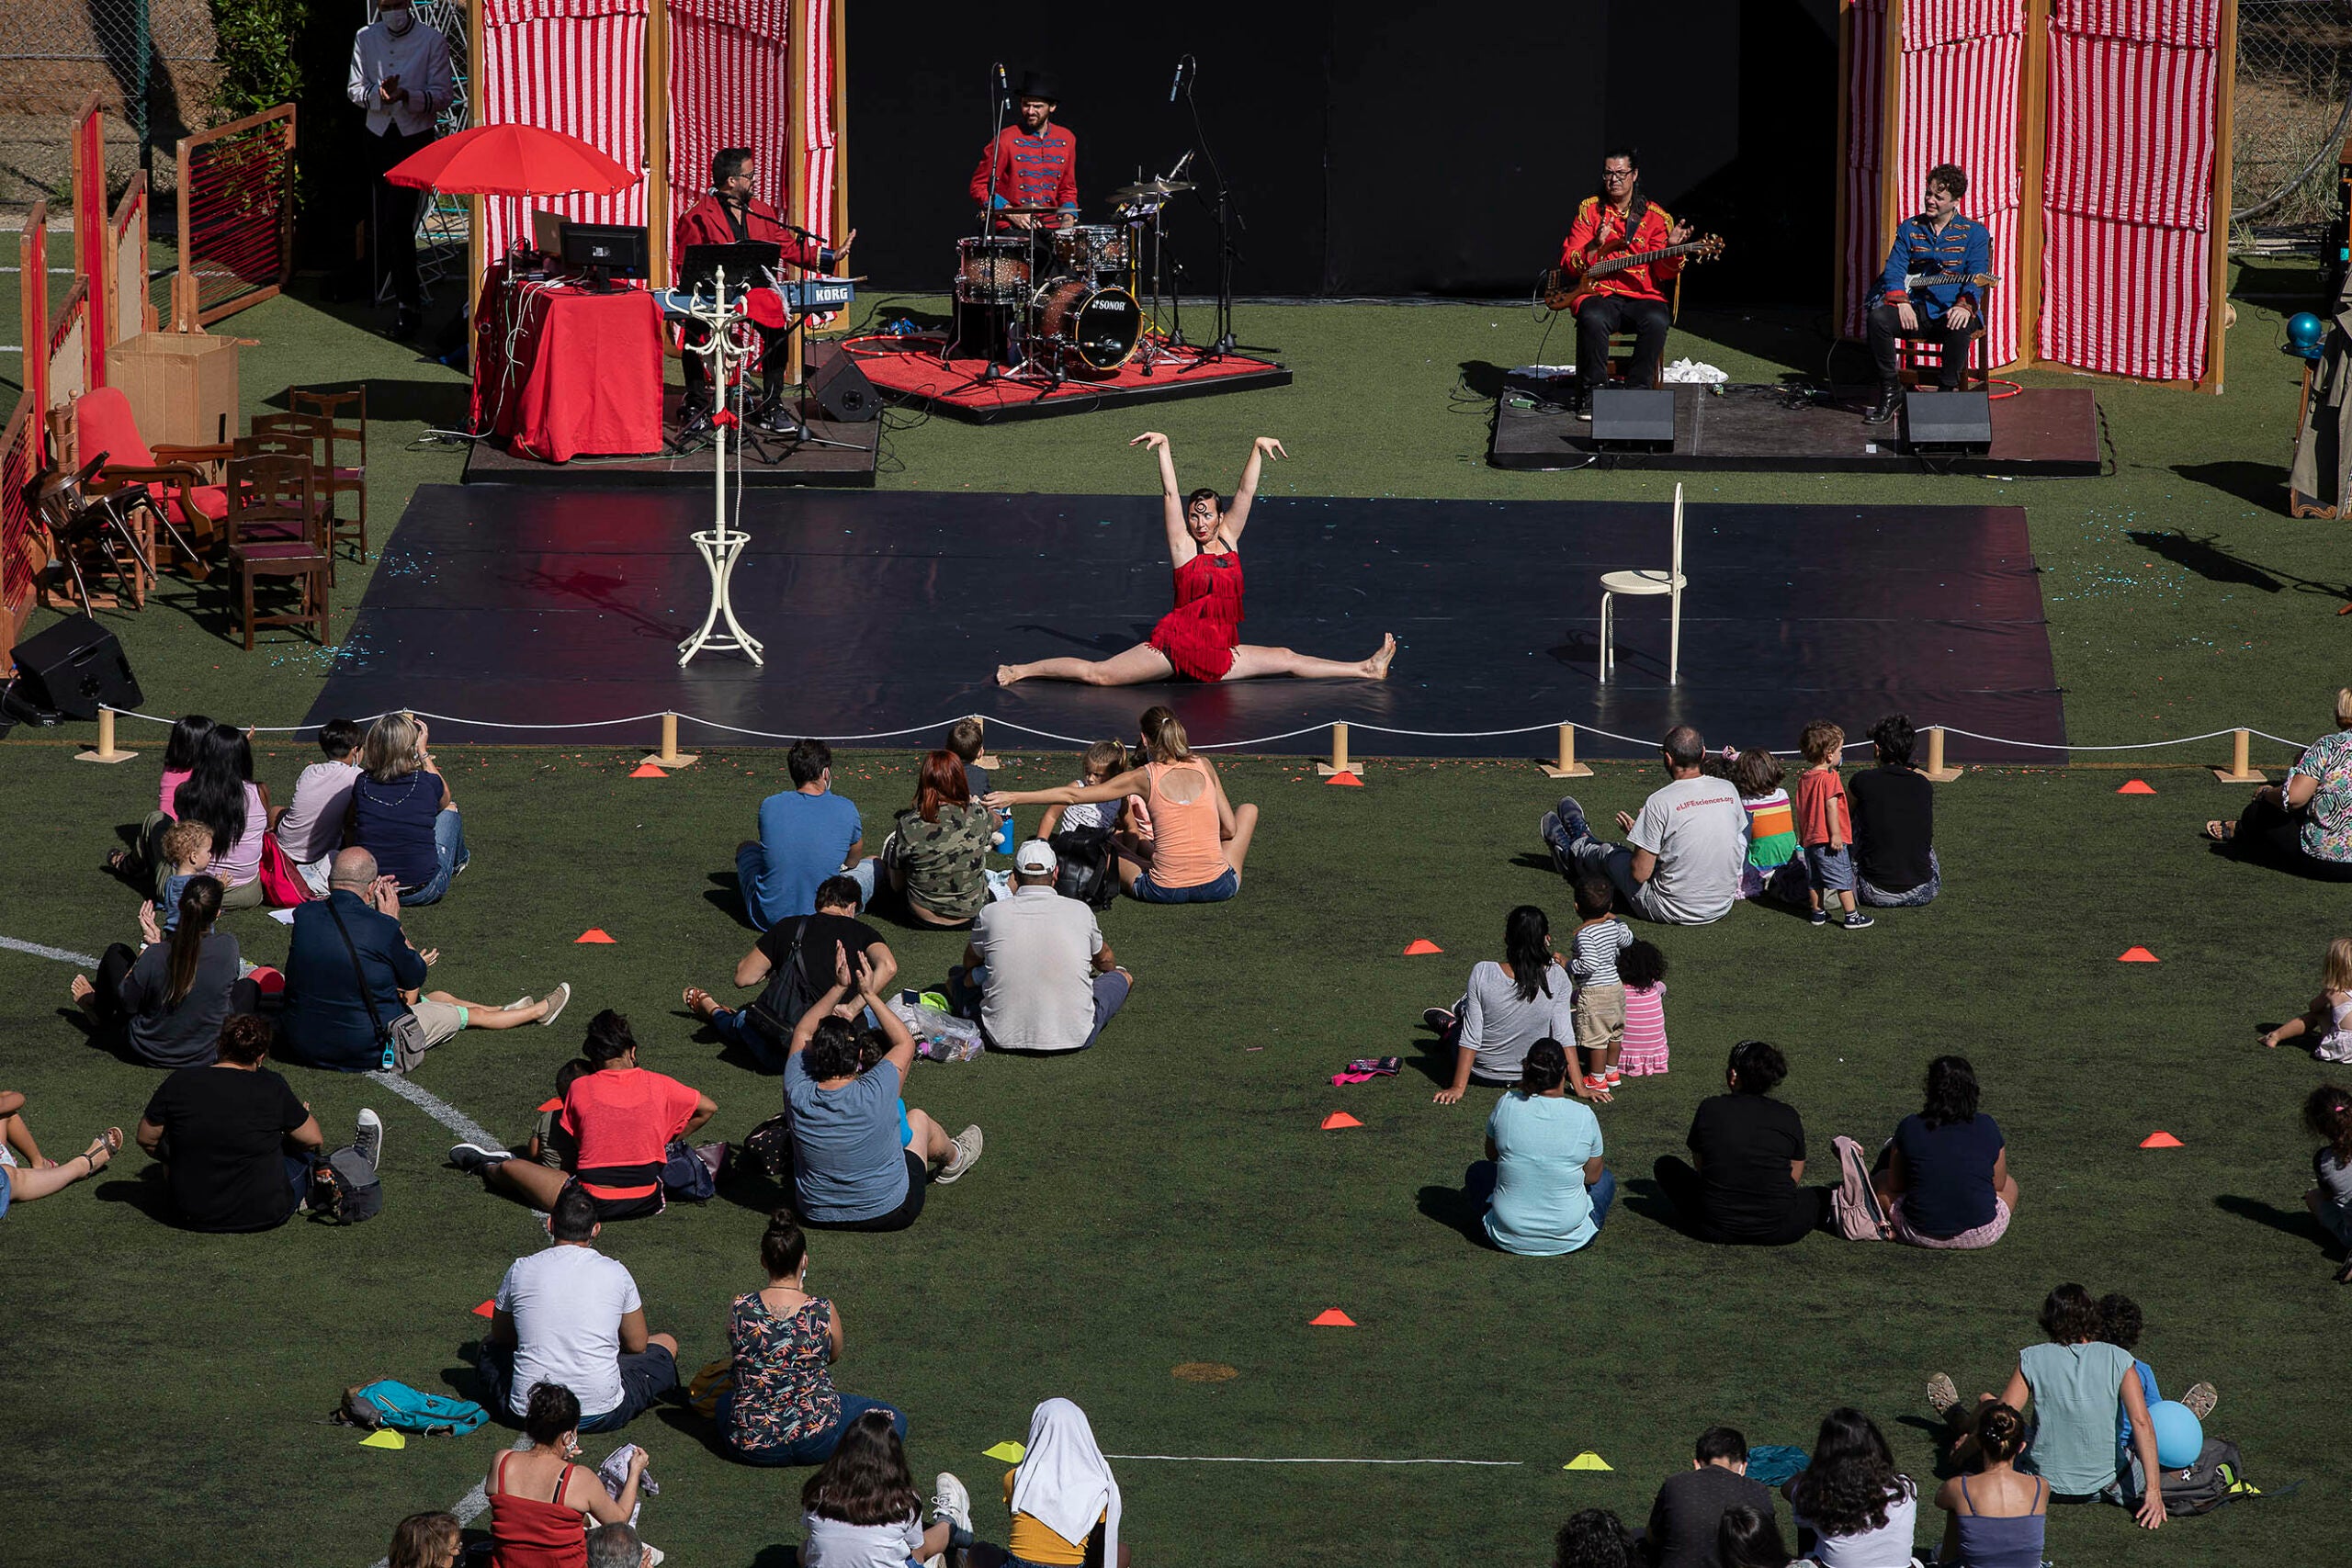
{"x": 1644, "y": 583}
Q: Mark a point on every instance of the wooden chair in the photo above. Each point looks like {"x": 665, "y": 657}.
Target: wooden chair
{"x": 276, "y": 529}
{"x": 1915, "y": 357}
{"x": 337, "y": 477}
{"x": 176, "y": 476}
{"x": 305, "y": 563}
{"x": 1647, "y": 583}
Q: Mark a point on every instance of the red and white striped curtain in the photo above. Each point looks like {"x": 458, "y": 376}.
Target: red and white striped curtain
{"x": 1866, "y": 156}
{"x": 575, "y": 66}
{"x": 1961, "y": 69}
{"x": 731, "y": 85}
{"x": 2129, "y": 185}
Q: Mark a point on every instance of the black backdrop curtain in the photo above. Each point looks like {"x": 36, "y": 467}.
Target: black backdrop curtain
{"x": 1382, "y": 147}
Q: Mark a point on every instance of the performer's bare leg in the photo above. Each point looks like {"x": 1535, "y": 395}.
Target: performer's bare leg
{"x": 1251, "y": 661}
{"x": 1140, "y": 664}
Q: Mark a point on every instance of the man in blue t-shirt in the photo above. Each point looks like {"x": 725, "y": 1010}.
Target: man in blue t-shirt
{"x": 807, "y": 834}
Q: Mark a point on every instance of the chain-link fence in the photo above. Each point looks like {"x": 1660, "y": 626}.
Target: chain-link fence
{"x": 150, "y": 62}
{"x": 2293, "y": 108}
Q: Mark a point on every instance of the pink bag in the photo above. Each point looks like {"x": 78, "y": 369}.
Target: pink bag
{"x": 1860, "y": 1215}
{"x": 282, "y": 886}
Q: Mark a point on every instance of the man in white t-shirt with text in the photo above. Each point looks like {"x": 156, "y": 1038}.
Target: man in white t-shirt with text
{"x": 1681, "y": 862}
{"x": 572, "y": 1315}
{"x": 1037, "y": 965}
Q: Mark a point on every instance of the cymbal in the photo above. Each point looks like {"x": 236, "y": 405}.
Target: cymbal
{"x": 1145, "y": 190}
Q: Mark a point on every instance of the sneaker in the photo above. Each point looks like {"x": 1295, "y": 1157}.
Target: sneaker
{"x": 2200, "y": 1400}
{"x": 952, "y": 1502}
{"x": 1612, "y": 1078}
{"x": 1555, "y": 838}
{"x": 1439, "y": 1018}
{"x": 555, "y": 1000}
{"x": 966, "y": 1156}
{"x": 1596, "y": 1088}
{"x": 367, "y": 1137}
{"x": 1941, "y": 1395}
{"x": 1819, "y": 918}
{"x": 1856, "y": 921}
{"x": 1572, "y": 818}
{"x": 473, "y": 1159}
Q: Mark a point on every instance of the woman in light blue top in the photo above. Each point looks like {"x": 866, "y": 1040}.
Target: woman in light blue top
{"x": 1542, "y": 1186}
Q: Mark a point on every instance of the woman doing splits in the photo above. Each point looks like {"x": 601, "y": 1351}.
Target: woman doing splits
{"x": 1200, "y": 637}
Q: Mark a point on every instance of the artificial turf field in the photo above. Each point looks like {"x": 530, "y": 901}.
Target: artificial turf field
{"x": 1169, "y": 1198}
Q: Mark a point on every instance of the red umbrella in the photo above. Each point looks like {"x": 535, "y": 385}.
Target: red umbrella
{"x": 511, "y": 160}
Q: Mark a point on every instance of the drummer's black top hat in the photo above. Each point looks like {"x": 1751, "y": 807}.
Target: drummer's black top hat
{"x": 1038, "y": 84}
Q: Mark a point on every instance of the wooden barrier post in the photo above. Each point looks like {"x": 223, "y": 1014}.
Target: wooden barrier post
{"x": 1567, "y": 767}
{"x": 669, "y": 756}
{"x": 106, "y": 750}
{"x": 2241, "y": 769}
{"x": 1937, "y": 772}
{"x": 985, "y": 760}
{"x": 1339, "y": 762}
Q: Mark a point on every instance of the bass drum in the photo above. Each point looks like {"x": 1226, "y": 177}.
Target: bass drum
{"x": 993, "y": 270}
{"x": 1100, "y": 328}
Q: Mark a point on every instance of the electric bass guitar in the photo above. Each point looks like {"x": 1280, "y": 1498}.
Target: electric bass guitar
{"x": 1929, "y": 279}
{"x": 1565, "y": 288}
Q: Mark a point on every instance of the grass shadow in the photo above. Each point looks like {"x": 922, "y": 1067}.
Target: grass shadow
{"x": 440, "y": 403}
{"x": 1940, "y": 1435}
{"x": 725, "y": 894}
{"x": 1451, "y": 1207}
{"x": 2257, "y": 484}
{"x": 145, "y": 1193}
{"x": 1483, "y": 377}
{"x": 2296, "y": 1223}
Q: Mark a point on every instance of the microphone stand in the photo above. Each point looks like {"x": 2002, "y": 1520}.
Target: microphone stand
{"x": 1228, "y": 220}
{"x": 1002, "y": 99}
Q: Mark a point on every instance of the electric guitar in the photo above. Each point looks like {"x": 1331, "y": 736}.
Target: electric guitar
{"x": 1929, "y": 279}
{"x": 1565, "y": 288}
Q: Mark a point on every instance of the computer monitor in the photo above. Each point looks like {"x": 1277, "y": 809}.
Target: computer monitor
{"x": 546, "y": 231}
{"x": 605, "y": 251}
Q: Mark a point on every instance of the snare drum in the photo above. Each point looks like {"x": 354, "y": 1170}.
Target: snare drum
{"x": 1090, "y": 250}
{"x": 1098, "y": 327}
{"x": 993, "y": 270}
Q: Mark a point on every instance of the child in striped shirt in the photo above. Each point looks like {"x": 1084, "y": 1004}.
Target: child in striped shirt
{"x": 1599, "y": 1007}
{"x": 1642, "y": 967}
{"x": 1771, "y": 828}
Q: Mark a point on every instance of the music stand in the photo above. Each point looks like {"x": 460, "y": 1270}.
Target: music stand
{"x": 701, "y": 265}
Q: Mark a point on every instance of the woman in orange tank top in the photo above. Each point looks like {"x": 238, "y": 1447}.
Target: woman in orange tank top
{"x": 1197, "y": 840}
{"x": 1201, "y": 637}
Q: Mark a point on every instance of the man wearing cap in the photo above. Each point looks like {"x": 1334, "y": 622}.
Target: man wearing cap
{"x": 1035, "y": 162}
{"x": 1037, "y": 965}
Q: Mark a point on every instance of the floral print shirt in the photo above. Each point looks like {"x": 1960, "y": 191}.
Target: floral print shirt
{"x": 2327, "y": 820}
{"x": 783, "y": 1391}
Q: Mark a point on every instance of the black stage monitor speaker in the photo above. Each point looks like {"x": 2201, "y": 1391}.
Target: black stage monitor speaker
{"x": 73, "y": 667}
{"x": 842, "y": 389}
{"x": 1947, "y": 422}
{"x": 1622, "y": 415}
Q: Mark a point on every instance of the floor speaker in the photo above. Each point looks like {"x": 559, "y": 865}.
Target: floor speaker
{"x": 842, "y": 389}
{"x": 74, "y": 667}
{"x": 1622, "y": 415}
{"x": 1948, "y": 420}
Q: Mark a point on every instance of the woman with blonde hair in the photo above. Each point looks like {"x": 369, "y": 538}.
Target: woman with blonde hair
{"x": 2303, "y": 825}
{"x": 1199, "y": 839}
{"x": 2330, "y": 1015}
{"x": 402, "y": 811}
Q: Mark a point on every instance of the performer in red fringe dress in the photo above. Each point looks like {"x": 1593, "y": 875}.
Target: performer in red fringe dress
{"x": 1201, "y": 637}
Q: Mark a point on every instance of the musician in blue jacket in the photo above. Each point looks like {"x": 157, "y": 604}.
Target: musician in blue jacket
{"x": 1938, "y": 242}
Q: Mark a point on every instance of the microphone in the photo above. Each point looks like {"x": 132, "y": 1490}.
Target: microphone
{"x": 1003, "y": 89}
{"x": 1177, "y": 82}
{"x": 1182, "y": 164}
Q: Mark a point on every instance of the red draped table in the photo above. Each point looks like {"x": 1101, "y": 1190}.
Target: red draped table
{"x": 561, "y": 373}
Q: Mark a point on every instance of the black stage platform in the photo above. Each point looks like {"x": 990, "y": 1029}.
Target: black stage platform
{"x": 2042, "y": 430}
{"x": 883, "y": 612}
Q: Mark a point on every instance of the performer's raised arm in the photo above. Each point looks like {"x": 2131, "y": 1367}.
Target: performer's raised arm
{"x": 1181, "y": 547}
{"x": 1237, "y": 517}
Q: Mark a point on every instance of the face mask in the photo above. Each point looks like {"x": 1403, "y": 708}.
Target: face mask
{"x": 398, "y": 20}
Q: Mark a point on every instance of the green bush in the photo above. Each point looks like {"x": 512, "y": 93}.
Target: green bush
{"x": 260, "y": 64}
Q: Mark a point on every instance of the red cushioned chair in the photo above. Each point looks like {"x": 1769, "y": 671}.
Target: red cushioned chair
{"x": 102, "y": 423}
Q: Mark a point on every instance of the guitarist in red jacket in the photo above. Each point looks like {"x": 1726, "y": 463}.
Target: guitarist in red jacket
{"x": 1633, "y": 299}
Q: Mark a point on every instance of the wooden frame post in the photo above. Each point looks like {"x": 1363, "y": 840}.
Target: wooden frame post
{"x": 670, "y": 756}
{"x": 1567, "y": 767}
{"x": 1890, "y": 121}
{"x": 795, "y": 153}
{"x": 2241, "y": 769}
{"x": 2217, "y": 226}
{"x": 1339, "y": 762}
{"x": 657, "y": 138}
{"x": 2033, "y": 140}
{"x": 477, "y": 208}
{"x": 106, "y": 750}
{"x": 1936, "y": 769}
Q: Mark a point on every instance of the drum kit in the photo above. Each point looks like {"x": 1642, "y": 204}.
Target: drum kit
{"x": 1049, "y": 304}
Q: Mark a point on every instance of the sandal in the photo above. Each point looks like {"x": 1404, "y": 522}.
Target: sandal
{"x": 701, "y": 1003}
{"x": 2220, "y": 832}
{"x": 110, "y": 1141}
{"x": 120, "y": 863}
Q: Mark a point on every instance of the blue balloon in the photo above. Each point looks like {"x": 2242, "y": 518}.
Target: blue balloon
{"x": 2180, "y": 1436}
{"x": 2304, "y": 332}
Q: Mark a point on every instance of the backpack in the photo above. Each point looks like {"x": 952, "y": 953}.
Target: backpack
{"x": 1086, "y": 872}
{"x": 344, "y": 1189}
{"x": 2204, "y": 1486}
{"x": 389, "y": 1403}
{"x": 768, "y": 1148}
{"x": 788, "y": 996}
{"x": 689, "y": 1173}
{"x": 1860, "y": 1216}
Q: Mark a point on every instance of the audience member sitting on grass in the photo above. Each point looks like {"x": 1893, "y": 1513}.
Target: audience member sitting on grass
{"x": 620, "y": 1120}
{"x": 2304, "y": 825}
{"x": 1743, "y": 1183}
{"x": 1682, "y": 858}
{"x": 2120, "y": 1324}
{"x": 795, "y": 957}
{"x": 1993, "y": 1515}
{"x": 310, "y": 828}
{"x": 2081, "y": 1386}
{"x": 1037, "y": 974}
{"x": 1945, "y": 1178}
{"x": 1509, "y": 1005}
{"x": 1542, "y": 1188}
{"x": 1594, "y": 1537}
{"x": 807, "y": 834}
{"x": 967, "y": 738}
{"x": 218, "y": 790}
{"x": 25, "y": 1173}
{"x": 1198, "y": 839}
{"x": 860, "y": 1510}
{"x": 936, "y": 856}
{"x": 186, "y": 855}
{"x": 1895, "y": 823}
{"x": 1063, "y": 1498}
{"x": 1853, "y": 1508}
{"x": 236, "y": 1144}
{"x": 402, "y": 811}
{"x": 1774, "y": 866}
{"x": 2327, "y": 1116}
{"x": 1686, "y": 1519}
{"x": 1750, "y": 1538}
{"x": 2330, "y": 1015}
{"x": 617, "y": 1545}
{"x": 540, "y": 1502}
{"x": 852, "y": 1168}
{"x": 165, "y": 1003}
{"x": 783, "y": 1407}
{"x": 426, "y": 1540}
{"x": 351, "y": 973}
{"x": 569, "y": 1315}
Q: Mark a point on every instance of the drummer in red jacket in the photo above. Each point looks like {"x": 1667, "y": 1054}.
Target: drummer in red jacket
{"x": 730, "y": 215}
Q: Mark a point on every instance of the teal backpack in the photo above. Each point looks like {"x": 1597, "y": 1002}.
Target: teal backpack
{"x": 390, "y": 1404}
